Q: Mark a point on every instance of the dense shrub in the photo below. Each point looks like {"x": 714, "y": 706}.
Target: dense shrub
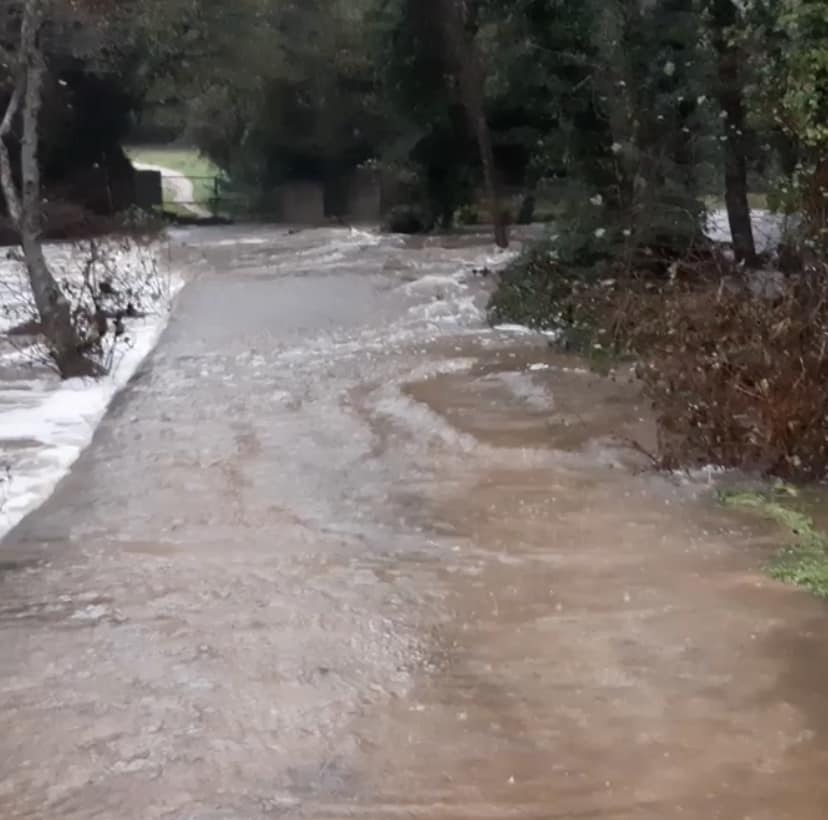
{"x": 408, "y": 219}
{"x": 738, "y": 371}
{"x": 537, "y": 290}
{"x": 735, "y": 363}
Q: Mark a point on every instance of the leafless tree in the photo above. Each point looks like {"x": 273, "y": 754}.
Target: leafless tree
{"x": 27, "y": 66}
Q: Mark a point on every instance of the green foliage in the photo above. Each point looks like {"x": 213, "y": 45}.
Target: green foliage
{"x": 804, "y": 562}
{"x": 268, "y": 90}
{"x": 186, "y": 161}
{"x": 468, "y": 215}
{"x": 611, "y": 97}
{"x": 788, "y": 45}
{"x": 532, "y": 291}
{"x": 803, "y": 72}
{"x": 615, "y": 102}
{"x": 540, "y": 57}
{"x": 429, "y": 130}
{"x": 802, "y": 110}
{"x": 541, "y": 291}
{"x": 407, "y": 219}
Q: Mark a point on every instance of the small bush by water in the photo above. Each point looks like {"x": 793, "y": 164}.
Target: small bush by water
{"x": 534, "y": 291}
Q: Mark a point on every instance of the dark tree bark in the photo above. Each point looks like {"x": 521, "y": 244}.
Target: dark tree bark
{"x": 25, "y": 209}
{"x": 724, "y": 16}
{"x": 526, "y": 214}
{"x": 465, "y": 61}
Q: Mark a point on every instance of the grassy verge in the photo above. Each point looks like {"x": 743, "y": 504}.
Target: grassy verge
{"x": 186, "y": 161}
{"x": 804, "y": 561}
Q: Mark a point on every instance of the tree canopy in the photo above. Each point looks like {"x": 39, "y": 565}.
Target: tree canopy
{"x": 646, "y": 107}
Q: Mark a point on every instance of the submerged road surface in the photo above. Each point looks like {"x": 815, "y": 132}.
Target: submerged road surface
{"x": 339, "y": 552}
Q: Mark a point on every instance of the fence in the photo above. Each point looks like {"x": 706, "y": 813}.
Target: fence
{"x": 193, "y": 196}
{"x": 306, "y": 202}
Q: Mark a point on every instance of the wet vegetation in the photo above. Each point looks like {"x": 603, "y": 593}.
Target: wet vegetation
{"x": 694, "y": 102}
{"x": 734, "y": 362}
{"x": 804, "y": 560}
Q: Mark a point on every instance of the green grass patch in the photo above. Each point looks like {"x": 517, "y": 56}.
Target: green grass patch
{"x": 169, "y": 192}
{"x": 186, "y": 161}
{"x": 804, "y": 561}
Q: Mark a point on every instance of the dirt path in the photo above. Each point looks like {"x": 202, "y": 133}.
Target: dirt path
{"x": 181, "y": 188}
{"x": 336, "y": 553}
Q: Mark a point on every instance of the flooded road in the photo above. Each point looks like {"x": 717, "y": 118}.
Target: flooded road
{"x": 338, "y": 551}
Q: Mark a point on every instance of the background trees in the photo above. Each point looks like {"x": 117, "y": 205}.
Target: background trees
{"x": 647, "y": 107}
{"x": 71, "y": 81}
{"x": 622, "y": 117}
{"x": 797, "y": 81}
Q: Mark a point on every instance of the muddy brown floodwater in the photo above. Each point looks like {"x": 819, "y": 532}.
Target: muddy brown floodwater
{"x": 338, "y": 551}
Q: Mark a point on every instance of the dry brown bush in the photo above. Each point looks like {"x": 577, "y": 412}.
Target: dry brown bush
{"x": 68, "y": 221}
{"x": 736, "y": 365}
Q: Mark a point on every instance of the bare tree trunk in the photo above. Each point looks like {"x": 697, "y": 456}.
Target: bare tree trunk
{"x": 50, "y": 301}
{"x": 530, "y": 197}
{"x": 462, "y": 52}
{"x": 731, "y": 99}
{"x": 6, "y": 175}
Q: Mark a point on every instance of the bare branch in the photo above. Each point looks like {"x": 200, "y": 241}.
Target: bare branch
{"x": 7, "y": 182}
{"x": 6, "y": 177}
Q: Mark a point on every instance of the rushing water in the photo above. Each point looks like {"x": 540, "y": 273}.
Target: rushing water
{"x": 340, "y": 550}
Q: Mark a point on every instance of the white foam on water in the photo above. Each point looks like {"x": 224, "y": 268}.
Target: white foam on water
{"x": 513, "y": 328}
{"x": 452, "y": 312}
{"x": 46, "y": 423}
{"x": 244, "y": 240}
{"x": 449, "y": 299}
{"x": 421, "y": 421}
{"x": 442, "y": 367}
{"x": 366, "y": 237}
{"x": 525, "y": 389}
{"x": 437, "y": 284}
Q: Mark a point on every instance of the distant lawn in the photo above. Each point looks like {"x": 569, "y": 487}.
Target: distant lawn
{"x": 186, "y": 161}
{"x": 757, "y": 202}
